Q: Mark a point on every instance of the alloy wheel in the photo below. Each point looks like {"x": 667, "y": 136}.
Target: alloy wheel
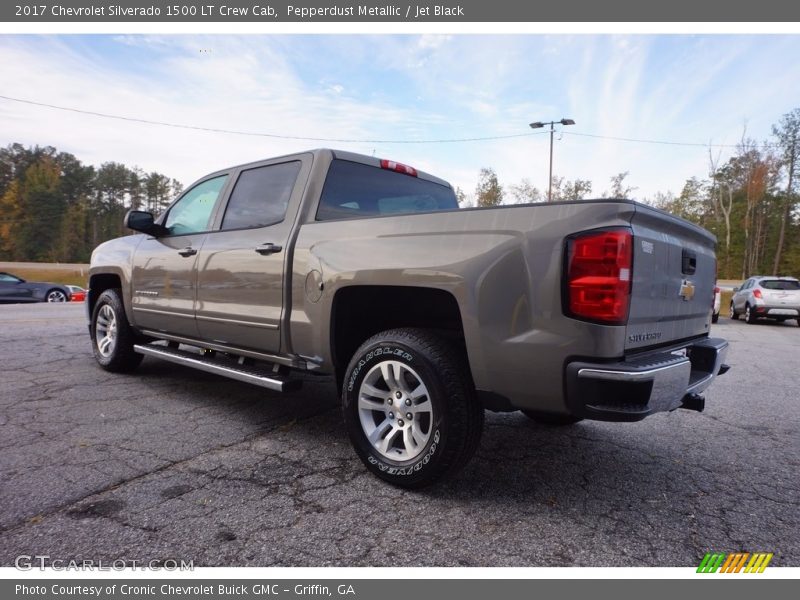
{"x": 395, "y": 410}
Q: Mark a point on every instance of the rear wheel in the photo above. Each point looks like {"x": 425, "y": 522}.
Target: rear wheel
{"x": 715, "y": 317}
{"x": 749, "y": 315}
{"x": 553, "y": 419}
{"x": 112, "y": 336}
{"x": 56, "y": 295}
{"x": 410, "y": 407}
{"x": 734, "y": 315}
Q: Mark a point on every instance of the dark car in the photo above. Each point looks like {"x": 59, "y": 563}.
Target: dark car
{"x": 16, "y": 289}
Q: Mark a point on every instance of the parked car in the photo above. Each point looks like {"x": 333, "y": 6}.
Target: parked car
{"x": 16, "y": 289}
{"x": 78, "y": 293}
{"x": 425, "y": 314}
{"x": 717, "y": 302}
{"x": 767, "y": 297}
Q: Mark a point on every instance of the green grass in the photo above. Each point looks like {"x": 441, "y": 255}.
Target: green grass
{"x": 63, "y": 276}
{"x": 725, "y": 303}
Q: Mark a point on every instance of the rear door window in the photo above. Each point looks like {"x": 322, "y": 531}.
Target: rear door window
{"x": 355, "y": 190}
{"x": 780, "y": 284}
{"x": 261, "y": 196}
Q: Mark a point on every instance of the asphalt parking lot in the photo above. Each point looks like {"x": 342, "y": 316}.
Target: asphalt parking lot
{"x": 171, "y": 463}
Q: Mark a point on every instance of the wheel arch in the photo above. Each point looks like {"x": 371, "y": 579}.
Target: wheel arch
{"x": 358, "y": 312}
{"x": 99, "y": 283}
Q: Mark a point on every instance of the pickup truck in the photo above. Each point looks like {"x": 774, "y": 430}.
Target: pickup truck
{"x": 425, "y": 314}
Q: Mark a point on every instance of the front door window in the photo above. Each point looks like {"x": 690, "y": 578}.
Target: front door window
{"x": 192, "y": 213}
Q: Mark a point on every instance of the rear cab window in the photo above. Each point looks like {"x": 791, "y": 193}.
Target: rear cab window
{"x": 354, "y": 190}
{"x": 780, "y": 284}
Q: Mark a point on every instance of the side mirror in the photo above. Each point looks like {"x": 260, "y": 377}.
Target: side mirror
{"x": 735, "y": 289}
{"x": 143, "y": 221}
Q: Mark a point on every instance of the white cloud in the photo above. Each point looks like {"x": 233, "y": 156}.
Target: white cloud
{"x": 403, "y": 87}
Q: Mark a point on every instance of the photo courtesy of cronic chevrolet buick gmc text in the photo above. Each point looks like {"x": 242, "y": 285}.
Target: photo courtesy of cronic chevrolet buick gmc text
{"x": 426, "y": 314}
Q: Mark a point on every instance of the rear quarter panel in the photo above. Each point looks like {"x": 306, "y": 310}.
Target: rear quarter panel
{"x": 502, "y": 265}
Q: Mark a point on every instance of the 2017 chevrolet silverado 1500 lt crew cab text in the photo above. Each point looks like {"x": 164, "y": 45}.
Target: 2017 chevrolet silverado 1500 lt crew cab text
{"x": 426, "y": 314}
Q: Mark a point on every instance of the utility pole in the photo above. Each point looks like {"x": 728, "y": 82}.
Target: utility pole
{"x": 539, "y": 125}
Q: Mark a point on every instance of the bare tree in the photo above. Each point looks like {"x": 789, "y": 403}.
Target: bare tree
{"x": 618, "y": 187}
{"x": 722, "y": 204}
{"x": 525, "y": 192}
{"x": 576, "y": 190}
{"x": 461, "y": 197}
{"x": 489, "y": 191}
{"x": 788, "y": 134}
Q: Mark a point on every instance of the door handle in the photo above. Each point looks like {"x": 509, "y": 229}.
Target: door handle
{"x": 188, "y": 251}
{"x": 268, "y": 248}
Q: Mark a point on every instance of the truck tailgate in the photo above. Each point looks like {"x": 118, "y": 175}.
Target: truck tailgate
{"x": 672, "y": 288}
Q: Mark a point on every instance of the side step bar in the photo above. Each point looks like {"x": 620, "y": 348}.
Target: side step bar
{"x": 257, "y": 376}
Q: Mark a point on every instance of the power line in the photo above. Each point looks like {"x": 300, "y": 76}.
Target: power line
{"x": 261, "y": 134}
{"x": 364, "y": 141}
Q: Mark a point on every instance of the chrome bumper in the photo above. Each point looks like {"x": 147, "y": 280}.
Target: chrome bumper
{"x": 634, "y": 389}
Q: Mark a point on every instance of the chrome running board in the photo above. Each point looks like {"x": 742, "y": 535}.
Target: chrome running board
{"x": 249, "y": 374}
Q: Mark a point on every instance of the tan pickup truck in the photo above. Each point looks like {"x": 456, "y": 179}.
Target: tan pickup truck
{"x": 426, "y": 314}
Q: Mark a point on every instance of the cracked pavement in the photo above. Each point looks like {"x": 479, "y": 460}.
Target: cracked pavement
{"x": 171, "y": 463}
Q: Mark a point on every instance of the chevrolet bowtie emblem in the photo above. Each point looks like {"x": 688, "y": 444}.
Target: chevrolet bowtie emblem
{"x": 687, "y": 290}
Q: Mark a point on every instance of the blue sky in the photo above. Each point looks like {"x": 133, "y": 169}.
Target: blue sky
{"x": 694, "y": 89}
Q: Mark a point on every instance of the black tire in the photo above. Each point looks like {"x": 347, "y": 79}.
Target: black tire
{"x": 734, "y": 314}
{"x": 749, "y": 316}
{"x": 552, "y": 419}
{"x": 55, "y": 295}
{"x": 715, "y": 317}
{"x": 119, "y": 357}
{"x": 453, "y": 424}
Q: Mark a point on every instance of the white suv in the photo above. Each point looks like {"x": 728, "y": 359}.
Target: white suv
{"x": 767, "y": 297}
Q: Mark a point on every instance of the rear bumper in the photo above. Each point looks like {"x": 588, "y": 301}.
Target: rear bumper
{"x": 632, "y": 390}
{"x": 773, "y": 311}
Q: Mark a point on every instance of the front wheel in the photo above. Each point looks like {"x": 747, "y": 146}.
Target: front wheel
{"x": 112, "y": 336}
{"x": 734, "y": 314}
{"x": 410, "y": 407}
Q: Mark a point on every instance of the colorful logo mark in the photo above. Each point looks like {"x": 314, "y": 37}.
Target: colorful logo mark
{"x": 735, "y": 562}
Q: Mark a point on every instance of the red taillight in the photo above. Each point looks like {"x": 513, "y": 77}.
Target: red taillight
{"x": 757, "y": 293}
{"x": 599, "y": 276}
{"x": 398, "y": 167}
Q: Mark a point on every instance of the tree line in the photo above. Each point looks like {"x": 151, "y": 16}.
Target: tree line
{"x": 54, "y": 208}
{"x": 750, "y": 201}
